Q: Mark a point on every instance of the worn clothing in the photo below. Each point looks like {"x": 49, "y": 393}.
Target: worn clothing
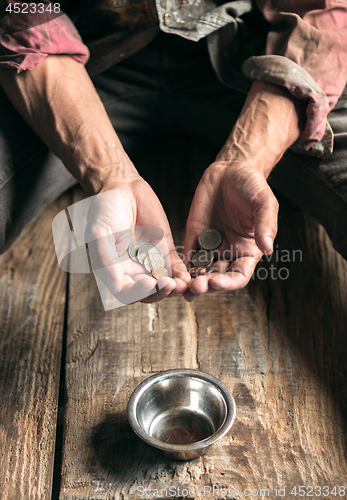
{"x": 300, "y": 44}
{"x": 178, "y": 93}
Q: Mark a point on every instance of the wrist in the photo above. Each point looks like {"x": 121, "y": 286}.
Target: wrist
{"x": 97, "y": 178}
{"x": 98, "y": 160}
{"x": 270, "y": 122}
{"x": 255, "y": 157}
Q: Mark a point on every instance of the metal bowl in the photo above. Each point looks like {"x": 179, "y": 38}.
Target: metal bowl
{"x": 181, "y": 412}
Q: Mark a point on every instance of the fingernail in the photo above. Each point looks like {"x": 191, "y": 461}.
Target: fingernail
{"x": 191, "y": 298}
{"x": 269, "y": 244}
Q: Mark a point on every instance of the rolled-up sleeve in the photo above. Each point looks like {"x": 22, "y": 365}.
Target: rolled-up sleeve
{"x": 309, "y": 38}
{"x": 23, "y": 49}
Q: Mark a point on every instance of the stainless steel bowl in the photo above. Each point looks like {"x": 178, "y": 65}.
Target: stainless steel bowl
{"x": 181, "y": 412}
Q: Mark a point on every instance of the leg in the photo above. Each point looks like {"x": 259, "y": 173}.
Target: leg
{"x": 320, "y": 186}
{"x": 31, "y": 177}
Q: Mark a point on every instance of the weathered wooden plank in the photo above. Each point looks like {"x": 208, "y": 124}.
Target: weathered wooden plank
{"x": 279, "y": 344}
{"x": 32, "y": 301}
{"x": 107, "y": 354}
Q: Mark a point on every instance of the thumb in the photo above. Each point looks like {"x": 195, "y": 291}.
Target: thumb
{"x": 265, "y": 210}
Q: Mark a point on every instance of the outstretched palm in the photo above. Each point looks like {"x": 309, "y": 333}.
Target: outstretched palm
{"x": 236, "y": 200}
{"x": 120, "y": 214}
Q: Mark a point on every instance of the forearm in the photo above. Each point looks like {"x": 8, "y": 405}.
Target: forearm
{"x": 270, "y": 122}
{"x": 59, "y": 101}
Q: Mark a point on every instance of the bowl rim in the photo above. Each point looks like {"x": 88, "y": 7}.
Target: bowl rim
{"x": 182, "y": 372}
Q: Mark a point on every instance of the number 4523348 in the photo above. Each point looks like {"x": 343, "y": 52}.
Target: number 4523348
{"x": 318, "y": 491}
{"x": 32, "y": 8}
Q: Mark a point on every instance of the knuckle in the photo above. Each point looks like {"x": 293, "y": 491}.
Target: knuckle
{"x": 213, "y": 173}
{"x": 274, "y": 202}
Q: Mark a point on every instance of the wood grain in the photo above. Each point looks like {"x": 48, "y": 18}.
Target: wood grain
{"x": 279, "y": 344}
{"x": 32, "y": 301}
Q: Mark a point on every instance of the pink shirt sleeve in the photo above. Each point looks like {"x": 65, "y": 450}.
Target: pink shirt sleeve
{"x": 27, "y": 48}
{"x": 313, "y": 37}
{"x": 309, "y": 38}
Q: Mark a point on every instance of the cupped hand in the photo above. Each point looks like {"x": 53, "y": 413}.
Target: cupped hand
{"x": 236, "y": 200}
{"x": 125, "y": 211}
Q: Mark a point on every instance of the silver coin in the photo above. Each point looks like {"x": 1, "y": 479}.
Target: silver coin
{"x": 210, "y": 239}
{"x": 134, "y": 248}
{"x": 153, "y": 260}
{"x": 147, "y": 248}
{"x": 202, "y": 258}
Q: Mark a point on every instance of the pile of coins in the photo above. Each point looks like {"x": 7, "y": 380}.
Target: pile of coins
{"x": 202, "y": 261}
{"x": 150, "y": 257}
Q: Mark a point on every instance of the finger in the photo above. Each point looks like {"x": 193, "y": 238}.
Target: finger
{"x": 220, "y": 266}
{"x": 166, "y": 285}
{"x": 265, "y": 218}
{"x": 189, "y": 296}
{"x": 136, "y": 291}
{"x": 181, "y": 287}
{"x": 237, "y": 276}
{"x": 179, "y": 269}
{"x": 200, "y": 284}
{"x": 203, "y": 284}
{"x": 173, "y": 263}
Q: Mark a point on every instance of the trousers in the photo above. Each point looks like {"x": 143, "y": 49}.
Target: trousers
{"x": 168, "y": 87}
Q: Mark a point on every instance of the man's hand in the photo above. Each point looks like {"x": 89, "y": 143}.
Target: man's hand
{"x": 238, "y": 202}
{"x": 121, "y": 213}
{"x": 233, "y": 195}
{"x": 59, "y": 101}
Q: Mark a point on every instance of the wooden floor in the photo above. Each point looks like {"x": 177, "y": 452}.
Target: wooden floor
{"x": 279, "y": 344}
